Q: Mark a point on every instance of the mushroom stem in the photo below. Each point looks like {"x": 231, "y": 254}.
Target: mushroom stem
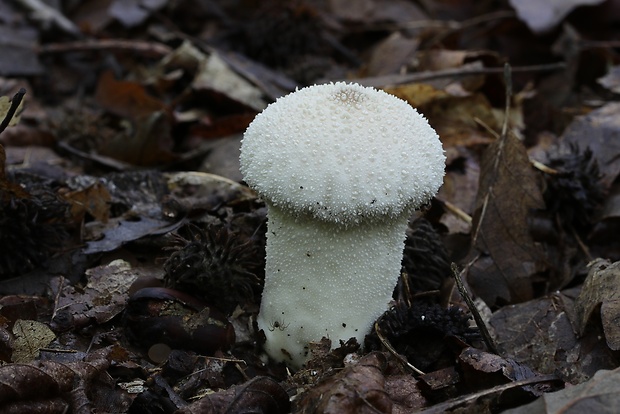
{"x": 326, "y": 279}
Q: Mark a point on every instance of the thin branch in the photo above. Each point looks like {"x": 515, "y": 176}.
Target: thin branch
{"x": 392, "y": 351}
{"x": 17, "y": 99}
{"x": 380, "y": 81}
{"x": 486, "y": 336}
{"x": 149, "y": 49}
{"x": 451, "y": 25}
{"x": 449, "y": 405}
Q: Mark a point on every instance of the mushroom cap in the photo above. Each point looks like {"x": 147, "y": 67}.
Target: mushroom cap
{"x": 341, "y": 153}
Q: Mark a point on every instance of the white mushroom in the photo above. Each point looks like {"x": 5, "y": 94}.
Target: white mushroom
{"x": 341, "y": 168}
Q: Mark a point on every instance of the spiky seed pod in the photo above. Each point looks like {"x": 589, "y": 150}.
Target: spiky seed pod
{"x": 418, "y": 332}
{"x": 33, "y": 225}
{"x": 425, "y": 259}
{"x": 212, "y": 264}
{"x": 280, "y": 33}
{"x": 575, "y": 193}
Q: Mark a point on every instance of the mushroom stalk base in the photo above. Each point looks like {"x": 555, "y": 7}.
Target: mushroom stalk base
{"x": 326, "y": 280}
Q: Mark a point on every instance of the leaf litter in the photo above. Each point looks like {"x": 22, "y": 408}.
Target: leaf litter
{"x": 125, "y": 145}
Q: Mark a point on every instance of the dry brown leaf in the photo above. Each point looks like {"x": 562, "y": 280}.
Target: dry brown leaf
{"x": 147, "y": 141}
{"x": 124, "y": 98}
{"x": 457, "y": 119}
{"x": 30, "y": 337}
{"x": 601, "y": 288}
{"x": 5, "y": 105}
{"x": 508, "y": 191}
{"x": 94, "y": 199}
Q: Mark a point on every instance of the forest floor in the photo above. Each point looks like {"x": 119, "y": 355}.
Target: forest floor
{"x": 132, "y": 254}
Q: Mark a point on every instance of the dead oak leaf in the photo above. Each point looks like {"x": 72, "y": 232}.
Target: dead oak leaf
{"x": 508, "y": 191}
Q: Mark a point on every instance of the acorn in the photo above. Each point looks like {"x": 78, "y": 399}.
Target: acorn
{"x": 157, "y": 315}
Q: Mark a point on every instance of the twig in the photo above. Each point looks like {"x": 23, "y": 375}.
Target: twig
{"x": 486, "y": 336}
{"x": 457, "y": 212}
{"x": 392, "y": 351}
{"x": 542, "y": 167}
{"x": 381, "y": 81}
{"x": 17, "y": 99}
{"x": 451, "y": 25}
{"x": 149, "y": 49}
{"x": 449, "y": 405}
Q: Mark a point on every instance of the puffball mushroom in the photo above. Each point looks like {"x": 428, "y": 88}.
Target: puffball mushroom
{"x": 341, "y": 168}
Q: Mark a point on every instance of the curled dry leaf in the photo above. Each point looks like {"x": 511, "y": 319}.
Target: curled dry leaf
{"x": 601, "y": 287}
{"x": 358, "y": 388}
{"x": 259, "y": 395}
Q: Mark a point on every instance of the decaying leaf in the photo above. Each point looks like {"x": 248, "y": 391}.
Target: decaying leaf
{"x": 538, "y": 333}
{"x": 52, "y": 387}
{"x": 599, "y": 395}
{"x": 258, "y": 395}
{"x": 358, "y": 388}
{"x": 599, "y": 131}
{"x": 508, "y": 192}
{"x": 478, "y": 366}
{"x": 30, "y": 337}
{"x": 5, "y": 104}
{"x": 543, "y": 15}
{"x": 404, "y": 393}
{"x": 541, "y": 334}
{"x": 104, "y": 297}
{"x": 601, "y": 288}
